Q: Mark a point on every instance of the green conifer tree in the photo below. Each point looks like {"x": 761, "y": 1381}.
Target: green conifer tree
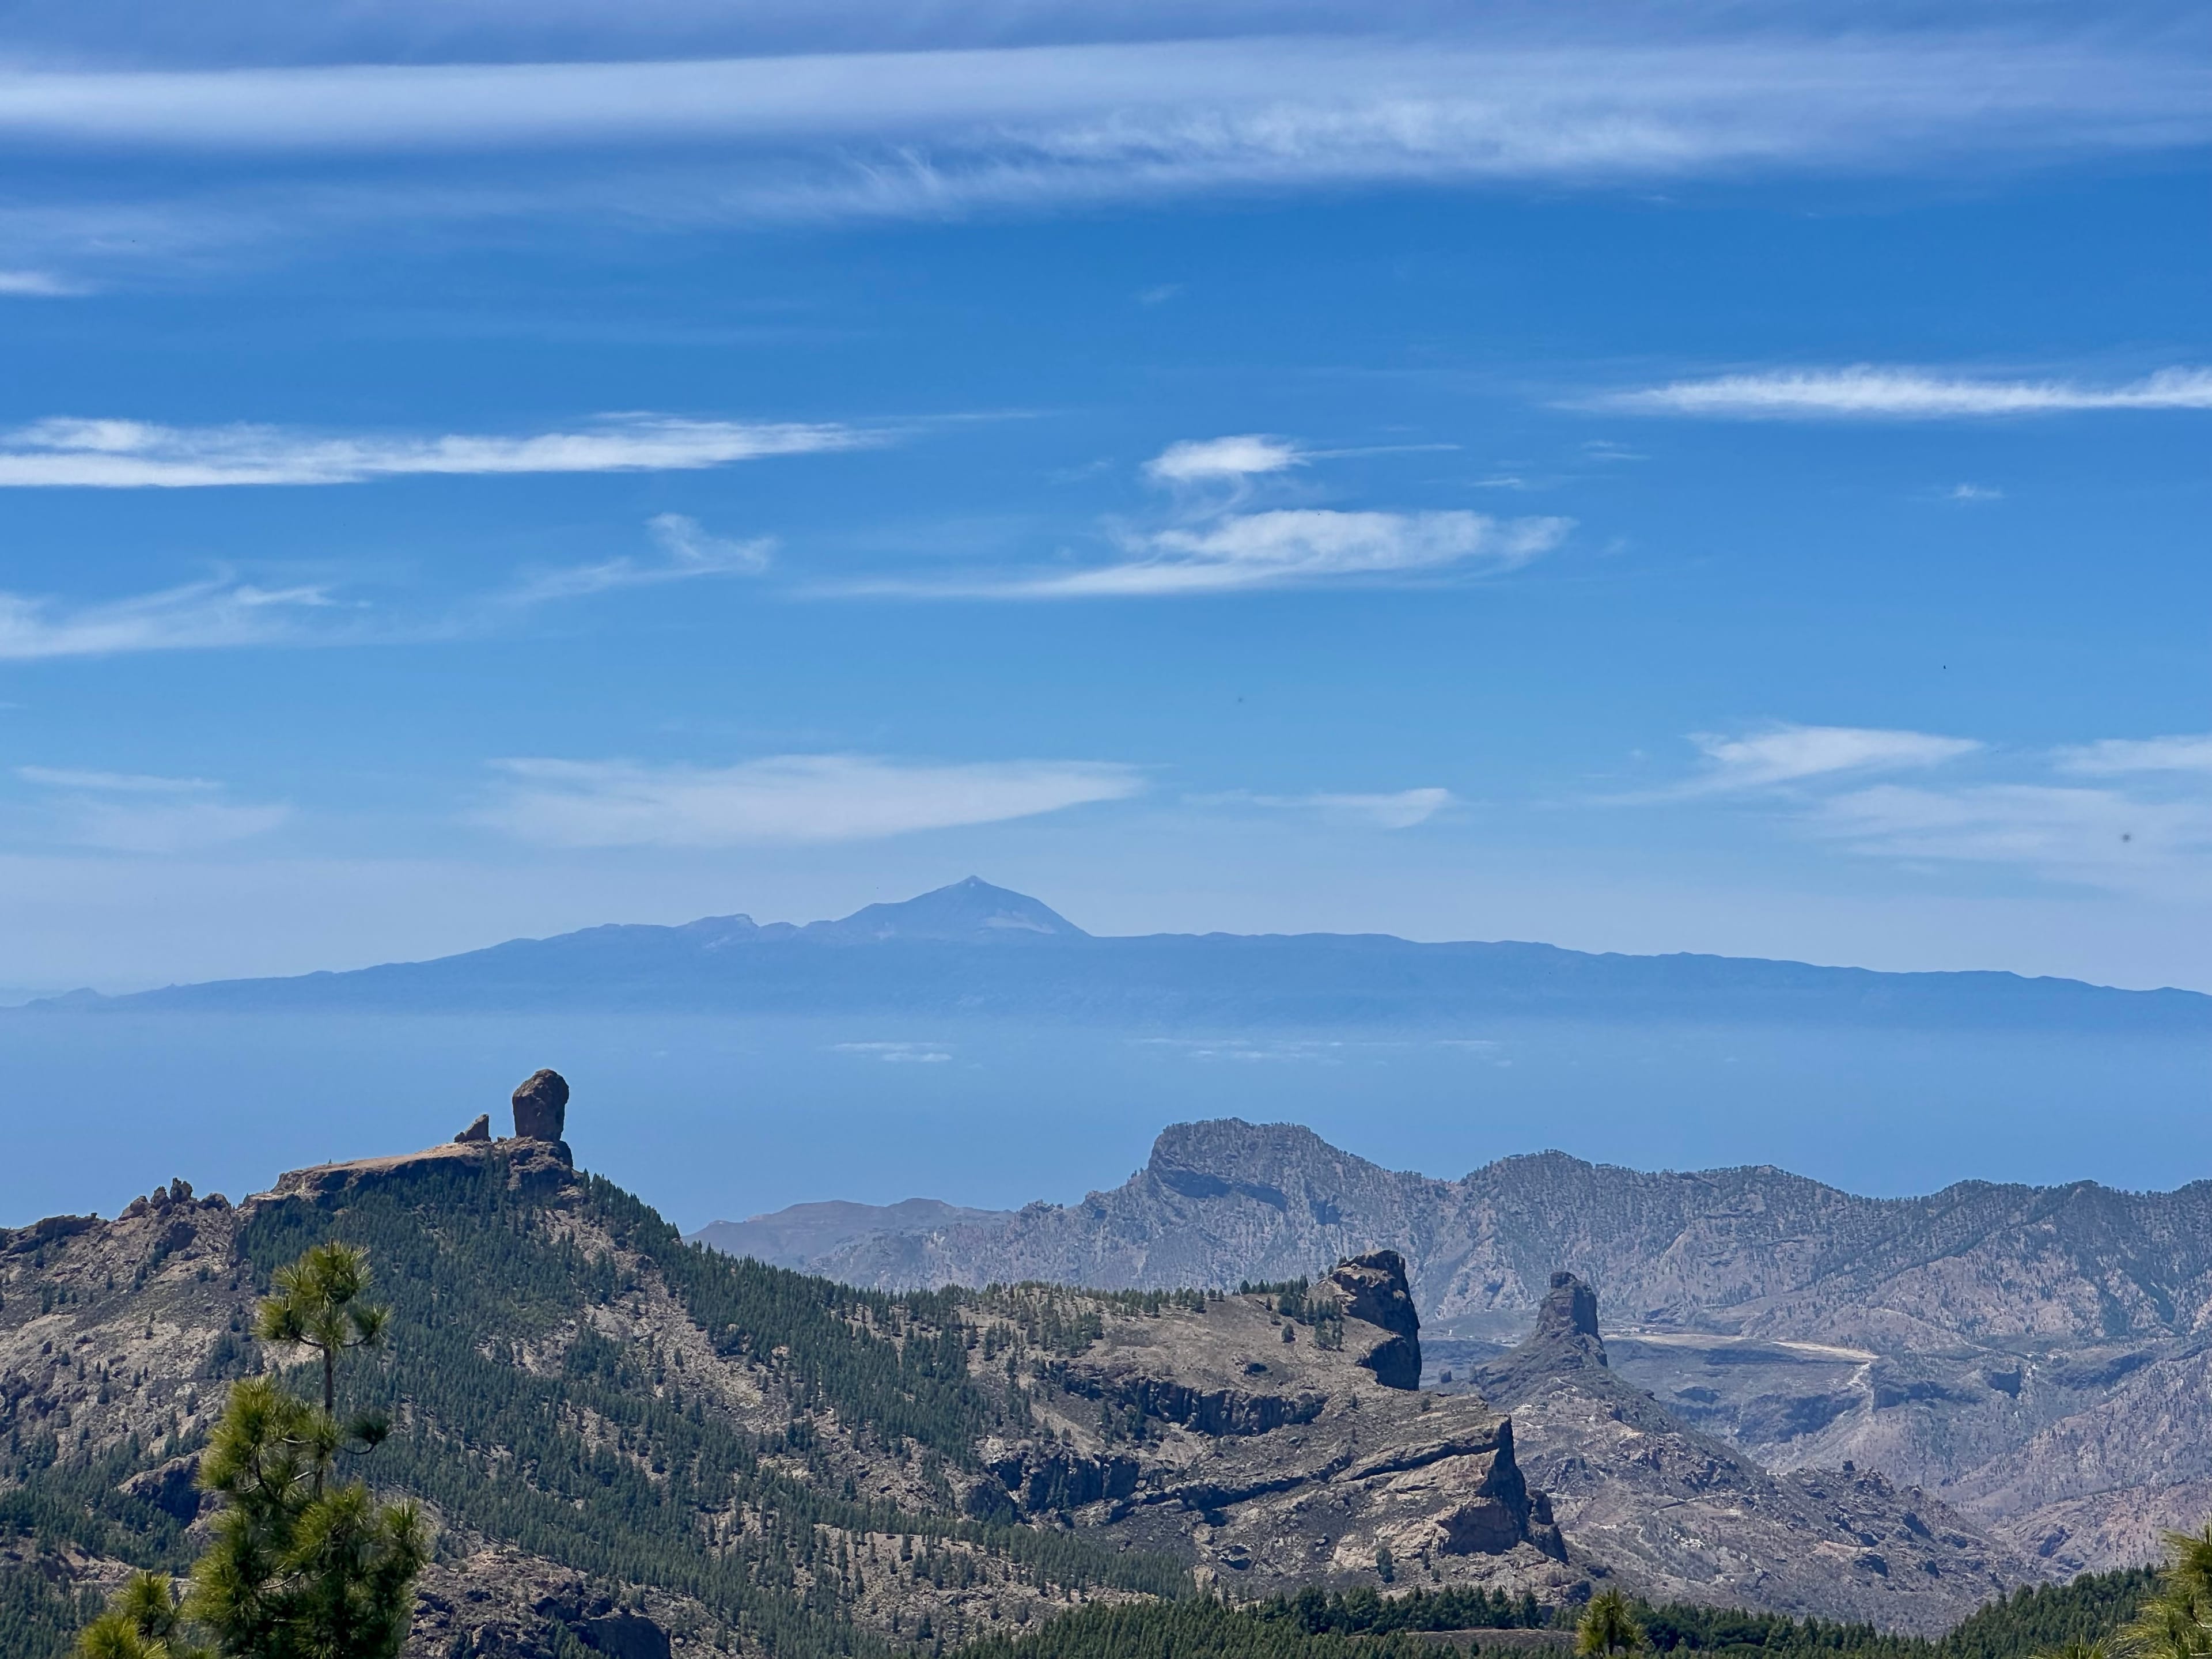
{"x": 2176, "y": 1623}
{"x": 144, "y": 1622}
{"x": 304, "y": 1564}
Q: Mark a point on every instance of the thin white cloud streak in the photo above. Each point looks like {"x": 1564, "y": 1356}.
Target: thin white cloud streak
{"x": 132, "y": 812}
{"x": 789, "y": 798}
{"x": 1869, "y": 393}
{"x": 1296, "y": 547}
{"x": 185, "y": 826}
{"x": 1207, "y": 460}
{"x": 1180, "y": 113}
{"x": 2119, "y": 757}
{"x": 119, "y": 783}
{"x": 37, "y": 285}
{"x": 119, "y": 454}
{"x": 1399, "y": 809}
{"x": 1790, "y": 754}
{"x": 692, "y": 553}
{"x": 2097, "y": 837}
{"x": 197, "y": 617}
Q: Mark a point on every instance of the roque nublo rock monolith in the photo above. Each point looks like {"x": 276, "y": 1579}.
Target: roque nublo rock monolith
{"x": 541, "y": 1106}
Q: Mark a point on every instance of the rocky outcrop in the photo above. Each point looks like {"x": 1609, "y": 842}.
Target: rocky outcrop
{"x": 478, "y": 1130}
{"x": 1963, "y": 1342}
{"x": 1681, "y": 1516}
{"x": 1281, "y": 1441}
{"x": 1371, "y": 1290}
{"x": 541, "y": 1106}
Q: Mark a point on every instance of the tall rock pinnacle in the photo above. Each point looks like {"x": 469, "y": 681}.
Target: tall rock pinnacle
{"x": 541, "y": 1107}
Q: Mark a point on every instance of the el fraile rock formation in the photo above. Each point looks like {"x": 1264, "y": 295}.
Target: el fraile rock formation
{"x": 1684, "y": 1516}
{"x": 2040, "y": 1357}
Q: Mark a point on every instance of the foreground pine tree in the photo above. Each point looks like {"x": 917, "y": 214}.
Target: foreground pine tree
{"x": 2177, "y": 1622}
{"x": 305, "y": 1564}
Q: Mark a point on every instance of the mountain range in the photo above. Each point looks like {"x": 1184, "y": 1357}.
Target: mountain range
{"x": 2041, "y": 1357}
{"x": 972, "y": 950}
{"x": 632, "y": 1447}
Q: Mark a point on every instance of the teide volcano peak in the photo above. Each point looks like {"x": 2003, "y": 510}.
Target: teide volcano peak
{"x": 943, "y": 954}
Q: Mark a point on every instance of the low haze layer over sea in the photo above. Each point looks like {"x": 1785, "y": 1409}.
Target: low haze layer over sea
{"x": 721, "y": 1117}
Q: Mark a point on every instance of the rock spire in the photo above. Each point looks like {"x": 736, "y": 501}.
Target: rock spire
{"x": 541, "y": 1106}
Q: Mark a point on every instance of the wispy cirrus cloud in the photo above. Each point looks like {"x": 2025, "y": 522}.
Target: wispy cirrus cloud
{"x": 2094, "y": 838}
{"x": 690, "y": 551}
{"x": 1215, "y": 541}
{"x": 950, "y": 123}
{"x": 1786, "y": 753}
{"x": 136, "y": 813}
{"x": 37, "y": 285}
{"x": 2149, "y": 830}
{"x": 1210, "y": 460}
{"x": 2119, "y": 757}
{"x": 1868, "y": 391}
{"x": 790, "y": 799}
{"x": 1397, "y": 808}
{"x": 201, "y": 616}
{"x": 119, "y": 454}
{"x": 1296, "y": 547}
{"x": 1471, "y": 100}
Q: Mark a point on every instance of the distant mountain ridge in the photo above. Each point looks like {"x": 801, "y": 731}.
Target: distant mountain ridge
{"x": 2042, "y": 1356}
{"x": 974, "y": 950}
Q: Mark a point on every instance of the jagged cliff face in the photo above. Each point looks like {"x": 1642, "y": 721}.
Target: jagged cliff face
{"x": 1281, "y": 1441}
{"x": 1684, "y": 1516}
{"x": 2039, "y": 1355}
{"x": 1754, "y": 1251}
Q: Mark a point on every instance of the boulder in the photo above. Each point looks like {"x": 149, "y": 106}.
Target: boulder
{"x": 541, "y": 1107}
{"x": 481, "y": 1130}
{"x": 173, "y": 1488}
{"x": 625, "y": 1636}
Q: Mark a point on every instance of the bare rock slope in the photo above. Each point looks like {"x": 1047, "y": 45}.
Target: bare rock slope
{"x": 1279, "y": 1440}
{"x": 1681, "y": 1516}
{"x": 2035, "y": 1354}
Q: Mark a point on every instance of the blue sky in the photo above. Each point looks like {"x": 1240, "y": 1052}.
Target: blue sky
{"x": 1723, "y": 479}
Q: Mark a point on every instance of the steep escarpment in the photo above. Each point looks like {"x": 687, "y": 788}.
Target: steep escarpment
{"x": 1277, "y": 1438}
{"x": 2012, "y": 1348}
{"x": 1682, "y": 1517}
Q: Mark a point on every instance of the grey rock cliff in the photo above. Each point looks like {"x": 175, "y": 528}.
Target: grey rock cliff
{"x": 2019, "y": 1348}
{"x": 1371, "y": 1290}
{"x": 1682, "y": 1517}
{"x": 1259, "y": 1439}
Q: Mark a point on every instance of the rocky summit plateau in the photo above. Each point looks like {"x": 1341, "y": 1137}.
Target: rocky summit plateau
{"x": 2038, "y": 1358}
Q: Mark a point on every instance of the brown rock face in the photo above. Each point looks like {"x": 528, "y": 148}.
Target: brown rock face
{"x": 479, "y": 1130}
{"x": 541, "y": 1107}
{"x": 1372, "y": 1288}
{"x": 1199, "y": 1431}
